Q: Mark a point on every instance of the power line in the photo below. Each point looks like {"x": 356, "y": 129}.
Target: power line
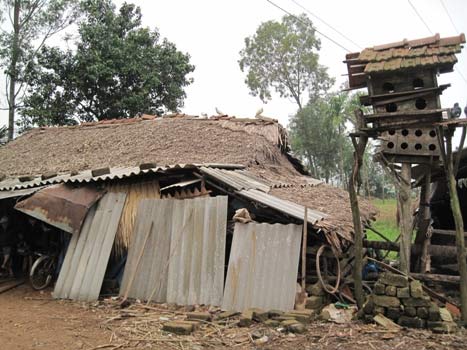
{"x": 450, "y": 18}
{"x": 427, "y": 27}
{"x": 326, "y": 23}
{"x": 419, "y": 16}
{"x": 316, "y": 30}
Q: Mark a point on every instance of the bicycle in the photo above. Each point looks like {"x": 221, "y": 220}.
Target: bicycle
{"x": 43, "y": 270}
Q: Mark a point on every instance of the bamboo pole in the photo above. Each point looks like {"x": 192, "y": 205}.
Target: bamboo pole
{"x": 304, "y": 246}
{"x": 357, "y": 222}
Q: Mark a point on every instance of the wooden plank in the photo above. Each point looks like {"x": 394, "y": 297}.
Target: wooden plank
{"x": 10, "y": 285}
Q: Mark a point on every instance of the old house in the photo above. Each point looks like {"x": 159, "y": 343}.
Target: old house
{"x": 157, "y": 197}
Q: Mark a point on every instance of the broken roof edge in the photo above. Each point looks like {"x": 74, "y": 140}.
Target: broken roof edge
{"x": 86, "y": 176}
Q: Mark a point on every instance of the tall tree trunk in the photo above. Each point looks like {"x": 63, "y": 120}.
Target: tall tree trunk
{"x": 13, "y": 73}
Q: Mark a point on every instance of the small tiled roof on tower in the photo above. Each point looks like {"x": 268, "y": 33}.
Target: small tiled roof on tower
{"x": 430, "y": 52}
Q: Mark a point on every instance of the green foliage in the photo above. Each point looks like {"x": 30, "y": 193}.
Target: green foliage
{"x": 319, "y": 137}
{"x": 117, "y": 70}
{"x": 283, "y": 57}
{"x": 26, "y": 25}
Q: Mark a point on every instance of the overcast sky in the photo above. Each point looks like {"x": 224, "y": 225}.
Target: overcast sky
{"x": 213, "y": 33}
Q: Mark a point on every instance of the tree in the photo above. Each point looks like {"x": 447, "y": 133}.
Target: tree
{"x": 30, "y": 24}
{"x": 283, "y": 57}
{"x": 118, "y": 69}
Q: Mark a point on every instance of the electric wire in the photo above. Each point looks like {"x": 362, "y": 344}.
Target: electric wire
{"x": 316, "y": 30}
{"x": 420, "y": 16}
{"x": 450, "y": 18}
{"x": 327, "y": 24}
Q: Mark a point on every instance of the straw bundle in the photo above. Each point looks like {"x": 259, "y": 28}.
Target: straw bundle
{"x": 135, "y": 193}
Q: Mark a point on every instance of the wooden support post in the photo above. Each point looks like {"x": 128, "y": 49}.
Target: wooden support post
{"x": 457, "y": 215}
{"x": 304, "y": 246}
{"x": 424, "y": 231}
{"x": 357, "y": 222}
{"x": 405, "y": 224}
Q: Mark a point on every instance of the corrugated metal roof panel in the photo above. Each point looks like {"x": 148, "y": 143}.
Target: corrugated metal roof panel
{"x": 115, "y": 173}
{"x": 237, "y": 179}
{"x": 88, "y": 253}
{"x": 19, "y": 193}
{"x": 183, "y": 261}
{"x": 284, "y": 206}
{"x": 263, "y": 267}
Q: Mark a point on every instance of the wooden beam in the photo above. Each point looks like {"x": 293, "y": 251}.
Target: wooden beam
{"x": 430, "y": 277}
{"x": 405, "y": 223}
{"x": 434, "y": 250}
{"x": 438, "y": 231}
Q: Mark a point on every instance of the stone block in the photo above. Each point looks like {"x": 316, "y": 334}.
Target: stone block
{"x": 284, "y": 318}
{"x": 442, "y": 327}
{"x": 315, "y": 289}
{"x": 380, "y": 310}
{"x": 314, "y": 302}
{"x": 411, "y": 322}
{"x": 272, "y": 323}
{"x": 227, "y": 314}
{"x": 296, "y": 328}
{"x": 288, "y": 323}
{"x": 392, "y": 279}
{"x": 275, "y": 313}
{"x": 445, "y": 315}
{"x": 260, "y": 315}
{"x": 417, "y": 302}
{"x": 195, "y": 324}
{"x": 246, "y": 318}
{"x": 178, "y": 327}
{"x": 391, "y": 291}
{"x": 393, "y": 313}
{"x": 433, "y": 313}
{"x": 379, "y": 288}
{"x": 385, "y": 301}
{"x": 199, "y": 316}
{"x": 403, "y": 292}
{"x": 422, "y": 312}
{"x": 410, "y": 311}
{"x": 416, "y": 289}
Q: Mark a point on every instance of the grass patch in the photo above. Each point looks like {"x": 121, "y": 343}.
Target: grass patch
{"x": 386, "y": 222}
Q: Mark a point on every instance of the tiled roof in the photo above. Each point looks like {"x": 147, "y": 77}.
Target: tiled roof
{"x": 432, "y": 51}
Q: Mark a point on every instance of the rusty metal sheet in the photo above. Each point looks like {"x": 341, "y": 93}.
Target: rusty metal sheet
{"x": 263, "y": 267}
{"x": 61, "y": 205}
{"x": 183, "y": 259}
{"x": 88, "y": 252}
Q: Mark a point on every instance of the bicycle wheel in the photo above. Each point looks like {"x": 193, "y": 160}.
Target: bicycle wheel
{"x": 41, "y": 272}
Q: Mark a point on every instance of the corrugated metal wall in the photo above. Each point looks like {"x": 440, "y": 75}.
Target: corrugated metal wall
{"x": 88, "y": 253}
{"x": 183, "y": 260}
{"x": 263, "y": 267}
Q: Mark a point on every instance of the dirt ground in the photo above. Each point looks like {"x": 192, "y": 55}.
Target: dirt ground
{"x": 32, "y": 320}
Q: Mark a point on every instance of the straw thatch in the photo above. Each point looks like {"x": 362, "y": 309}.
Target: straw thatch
{"x": 136, "y": 191}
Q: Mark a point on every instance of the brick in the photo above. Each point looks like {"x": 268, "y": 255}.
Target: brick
{"x": 314, "y": 302}
{"x": 416, "y": 290}
{"x": 416, "y": 302}
{"x": 410, "y": 311}
{"x": 391, "y": 291}
{"x": 275, "y": 313}
{"x": 422, "y": 312}
{"x": 303, "y": 316}
{"x": 195, "y": 324}
{"x": 200, "y": 316}
{"x": 385, "y": 301}
{"x": 403, "y": 292}
{"x": 260, "y": 315}
{"x": 227, "y": 314}
{"x": 288, "y": 323}
{"x": 433, "y": 313}
{"x": 296, "y": 328}
{"x": 393, "y": 313}
{"x": 284, "y": 318}
{"x": 246, "y": 318}
{"x": 272, "y": 323}
{"x": 379, "y": 288}
{"x": 445, "y": 314}
{"x": 412, "y": 322}
{"x": 178, "y": 327}
{"x": 392, "y": 279}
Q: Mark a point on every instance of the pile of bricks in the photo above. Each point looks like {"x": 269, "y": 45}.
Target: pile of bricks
{"x": 407, "y": 304}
